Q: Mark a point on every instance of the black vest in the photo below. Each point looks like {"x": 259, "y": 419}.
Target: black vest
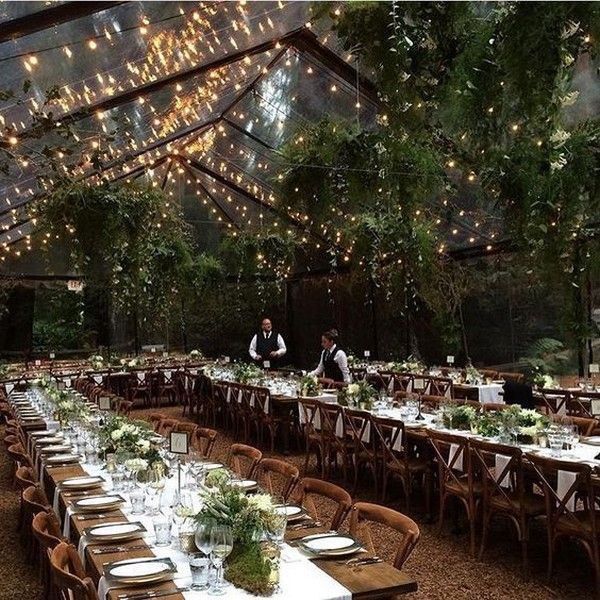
{"x": 264, "y": 347}
{"x": 331, "y": 368}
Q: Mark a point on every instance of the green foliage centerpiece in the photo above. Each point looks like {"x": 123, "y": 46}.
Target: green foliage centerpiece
{"x": 250, "y": 518}
{"x": 129, "y": 439}
{"x": 359, "y": 395}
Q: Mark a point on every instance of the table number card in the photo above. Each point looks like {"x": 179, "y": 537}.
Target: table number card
{"x": 153, "y": 350}
{"x": 38, "y": 363}
{"x": 267, "y": 364}
{"x": 104, "y": 403}
{"x": 52, "y": 355}
{"x": 450, "y": 359}
{"x": 594, "y": 368}
{"x": 179, "y": 442}
{"x": 165, "y": 354}
{"x": 367, "y": 353}
{"x": 595, "y": 407}
{"x": 226, "y": 359}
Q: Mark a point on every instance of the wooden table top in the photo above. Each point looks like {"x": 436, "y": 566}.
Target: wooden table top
{"x": 365, "y": 582}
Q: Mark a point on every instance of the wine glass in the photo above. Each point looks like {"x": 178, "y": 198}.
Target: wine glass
{"x": 203, "y": 538}
{"x": 222, "y": 545}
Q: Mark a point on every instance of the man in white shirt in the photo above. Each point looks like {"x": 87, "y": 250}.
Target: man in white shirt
{"x": 334, "y": 362}
{"x": 267, "y": 346}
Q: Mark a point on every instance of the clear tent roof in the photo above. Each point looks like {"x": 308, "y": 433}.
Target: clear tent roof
{"x": 194, "y": 96}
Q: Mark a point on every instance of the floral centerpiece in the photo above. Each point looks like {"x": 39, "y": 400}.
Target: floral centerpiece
{"x": 67, "y": 408}
{"x": 541, "y": 379}
{"x": 247, "y": 373}
{"x": 524, "y": 424}
{"x": 196, "y": 355}
{"x": 359, "y": 395}
{"x": 411, "y": 365}
{"x": 309, "y": 386}
{"x": 96, "y": 361}
{"x": 129, "y": 439}
{"x": 250, "y": 518}
{"x": 132, "y": 363}
{"x": 459, "y": 416}
{"x": 472, "y": 375}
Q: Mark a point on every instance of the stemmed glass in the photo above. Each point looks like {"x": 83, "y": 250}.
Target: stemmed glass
{"x": 222, "y": 545}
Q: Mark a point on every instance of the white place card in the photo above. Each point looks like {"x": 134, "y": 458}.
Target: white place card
{"x": 594, "y": 368}
{"x": 52, "y": 355}
{"x": 226, "y": 359}
{"x": 165, "y": 354}
{"x": 179, "y": 442}
{"x": 595, "y": 407}
{"x": 450, "y": 359}
{"x": 267, "y": 364}
{"x": 38, "y": 363}
{"x": 367, "y": 353}
{"x": 104, "y": 403}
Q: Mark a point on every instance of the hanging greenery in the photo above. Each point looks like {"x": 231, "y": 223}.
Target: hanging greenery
{"x": 124, "y": 239}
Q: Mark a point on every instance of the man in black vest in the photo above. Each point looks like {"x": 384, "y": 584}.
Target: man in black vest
{"x": 334, "y": 362}
{"x": 267, "y": 346}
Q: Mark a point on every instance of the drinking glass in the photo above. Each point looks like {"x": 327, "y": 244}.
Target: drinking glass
{"x": 555, "y": 441}
{"x": 136, "y": 497}
{"x": 278, "y": 523}
{"x": 162, "y": 530}
{"x": 222, "y": 543}
{"x": 200, "y": 568}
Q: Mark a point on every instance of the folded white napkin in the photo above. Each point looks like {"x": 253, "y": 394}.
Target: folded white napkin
{"x": 500, "y": 464}
{"x": 456, "y": 450}
{"x": 565, "y": 480}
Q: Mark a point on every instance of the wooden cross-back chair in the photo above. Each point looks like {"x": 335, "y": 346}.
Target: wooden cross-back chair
{"x": 310, "y": 488}
{"x": 278, "y": 476}
{"x": 570, "y": 511}
{"x": 69, "y": 575}
{"x": 363, "y": 513}
{"x": 244, "y": 459}
{"x": 455, "y": 477}
{"x": 504, "y": 491}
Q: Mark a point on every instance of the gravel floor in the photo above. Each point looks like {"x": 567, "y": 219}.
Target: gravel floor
{"x": 440, "y": 563}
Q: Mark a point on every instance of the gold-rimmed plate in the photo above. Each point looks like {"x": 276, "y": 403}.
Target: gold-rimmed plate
{"x": 102, "y": 503}
{"x": 141, "y": 570}
{"x": 121, "y": 531}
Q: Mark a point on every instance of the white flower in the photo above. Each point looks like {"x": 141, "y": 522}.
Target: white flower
{"x": 136, "y": 464}
{"x": 352, "y": 389}
{"x": 261, "y": 502}
{"x": 143, "y": 444}
{"x": 570, "y": 98}
{"x": 116, "y": 435}
{"x": 559, "y": 137}
{"x": 559, "y": 163}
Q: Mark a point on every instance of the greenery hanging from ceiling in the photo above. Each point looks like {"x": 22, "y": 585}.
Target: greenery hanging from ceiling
{"x": 473, "y": 96}
{"x": 126, "y": 240}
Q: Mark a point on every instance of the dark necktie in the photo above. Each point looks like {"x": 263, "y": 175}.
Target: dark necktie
{"x": 326, "y": 357}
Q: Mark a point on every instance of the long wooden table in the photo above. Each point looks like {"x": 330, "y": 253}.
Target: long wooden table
{"x": 365, "y": 582}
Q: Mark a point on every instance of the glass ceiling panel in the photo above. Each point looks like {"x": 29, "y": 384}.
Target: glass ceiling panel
{"x": 127, "y": 46}
{"x": 16, "y": 10}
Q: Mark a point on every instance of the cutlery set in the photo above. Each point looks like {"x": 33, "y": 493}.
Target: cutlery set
{"x": 306, "y": 525}
{"x": 355, "y": 562}
{"x": 116, "y": 549}
{"x": 152, "y": 594}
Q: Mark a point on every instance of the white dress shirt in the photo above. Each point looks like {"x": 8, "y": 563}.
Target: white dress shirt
{"x": 340, "y": 358}
{"x": 281, "y": 349}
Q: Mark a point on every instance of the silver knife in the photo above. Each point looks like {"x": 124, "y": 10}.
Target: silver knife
{"x": 152, "y": 594}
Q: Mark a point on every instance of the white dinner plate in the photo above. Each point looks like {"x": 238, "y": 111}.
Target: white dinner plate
{"x": 56, "y": 448}
{"x": 141, "y": 570}
{"x": 63, "y": 458}
{"x": 116, "y": 531}
{"x": 48, "y": 440}
{"x": 212, "y": 466}
{"x": 335, "y": 544}
{"x": 245, "y": 484}
{"x": 291, "y": 511}
{"x": 82, "y": 483}
{"x": 98, "y": 502}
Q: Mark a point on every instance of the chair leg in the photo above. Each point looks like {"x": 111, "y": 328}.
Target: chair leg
{"x": 487, "y": 517}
